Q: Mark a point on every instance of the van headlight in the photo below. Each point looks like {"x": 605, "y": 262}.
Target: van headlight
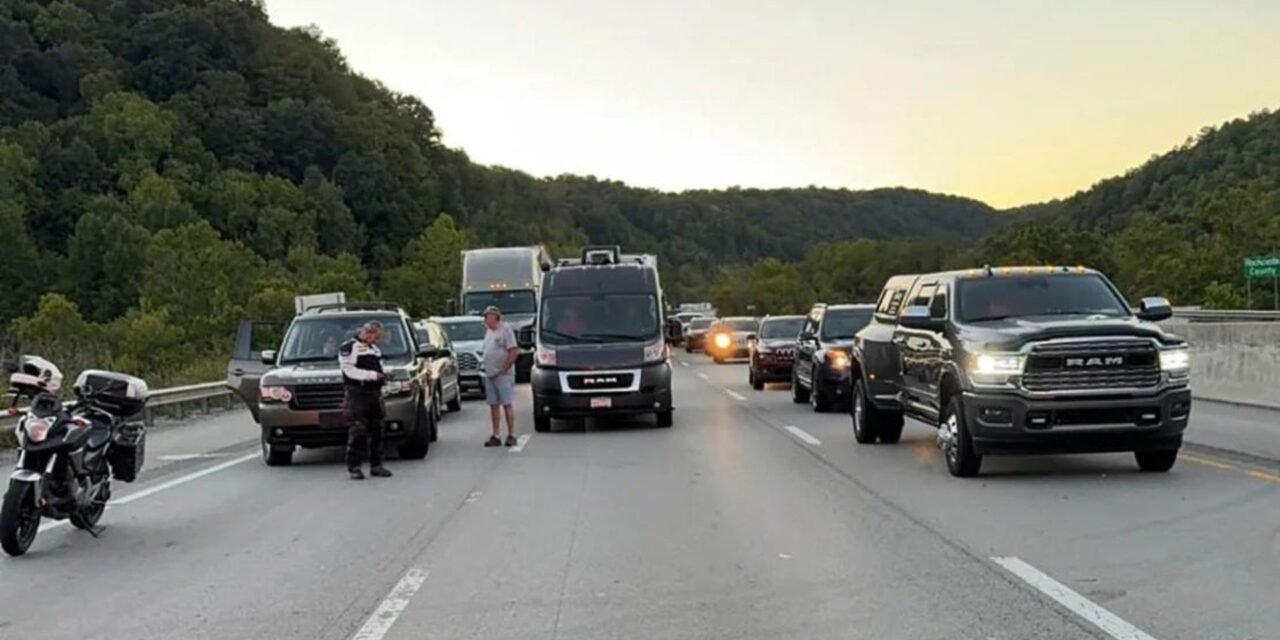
{"x": 655, "y": 352}
{"x": 1176, "y": 361}
{"x": 996, "y": 368}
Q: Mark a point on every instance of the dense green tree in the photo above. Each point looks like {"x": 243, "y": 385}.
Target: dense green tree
{"x": 430, "y": 276}
{"x": 105, "y": 261}
{"x": 20, "y": 266}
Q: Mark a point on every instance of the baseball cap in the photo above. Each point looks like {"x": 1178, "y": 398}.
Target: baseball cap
{"x": 492, "y": 309}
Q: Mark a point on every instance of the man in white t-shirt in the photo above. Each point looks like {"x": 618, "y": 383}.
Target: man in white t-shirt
{"x": 500, "y": 352}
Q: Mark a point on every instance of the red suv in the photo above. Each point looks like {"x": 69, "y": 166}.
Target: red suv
{"x": 773, "y": 353}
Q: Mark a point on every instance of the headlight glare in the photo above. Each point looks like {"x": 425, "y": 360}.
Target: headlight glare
{"x": 838, "y": 360}
{"x": 1009, "y": 364}
{"x": 1176, "y": 361}
{"x": 722, "y": 340}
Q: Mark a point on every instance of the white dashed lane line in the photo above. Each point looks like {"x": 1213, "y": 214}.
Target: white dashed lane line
{"x": 520, "y": 443}
{"x": 385, "y": 616}
{"x": 1108, "y": 622}
{"x": 735, "y": 395}
{"x": 702, "y": 375}
{"x": 802, "y": 435}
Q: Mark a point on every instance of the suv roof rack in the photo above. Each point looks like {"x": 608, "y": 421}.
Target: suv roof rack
{"x": 353, "y": 306}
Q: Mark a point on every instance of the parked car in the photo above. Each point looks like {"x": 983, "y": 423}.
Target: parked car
{"x": 695, "y": 336}
{"x": 466, "y": 333}
{"x": 731, "y": 338}
{"x": 442, "y": 365}
{"x": 773, "y": 352}
{"x": 1022, "y": 360}
{"x": 821, "y": 372}
{"x": 293, "y": 387}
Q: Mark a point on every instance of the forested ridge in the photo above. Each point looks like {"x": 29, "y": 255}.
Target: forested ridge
{"x": 168, "y": 167}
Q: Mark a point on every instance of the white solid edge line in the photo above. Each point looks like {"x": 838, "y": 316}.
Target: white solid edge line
{"x": 520, "y": 443}
{"x": 735, "y": 395}
{"x": 164, "y": 486}
{"x": 382, "y": 618}
{"x": 1108, "y": 622}
{"x": 802, "y": 435}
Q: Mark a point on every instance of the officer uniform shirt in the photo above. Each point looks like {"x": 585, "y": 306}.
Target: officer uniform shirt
{"x": 361, "y": 363}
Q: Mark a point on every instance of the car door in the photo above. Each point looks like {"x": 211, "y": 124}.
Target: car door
{"x": 935, "y": 349}
{"x": 807, "y": 346}
{"x": 448, "y": 360}
{"x": 914, "y": 346}
{"x": 246, "y": 368}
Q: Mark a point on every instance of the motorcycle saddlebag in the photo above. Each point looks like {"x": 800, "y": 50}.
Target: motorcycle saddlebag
{"x": 128, "y": 450}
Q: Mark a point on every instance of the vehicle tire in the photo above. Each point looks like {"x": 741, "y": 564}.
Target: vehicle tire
{"x": 542, "y": 424}
{"x": 1156, "y": 461}
{"x": 455, "y": 405}
{"x": 818, "y": 400}
{"x": 19, "y": 519}
{"x": 799, "y": 394}
{"x": 523, "y": 374}
{"x": 276, "y": 456}
{"x": 962, "y": 462}
{"x": 890, "y": 429}
{"x": 717, "y": 359}
{"x": 666, "y": 419}
{"x": 862, "y": 414}
{"x": 437, "y": 410}
{"x": 88, "y": 519}
{"x": 688, "y": 348}
{"x": 756, "y": 382}
{"x": 418, "y": 443}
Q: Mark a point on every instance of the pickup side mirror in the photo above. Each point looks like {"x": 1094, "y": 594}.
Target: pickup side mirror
{"x": 1155, "y": 309}
{"x": 524, "y": 337}
{"x": 674, "y": 331}
{"x": 918, "y": 317}
{"x": 269, "y": 357}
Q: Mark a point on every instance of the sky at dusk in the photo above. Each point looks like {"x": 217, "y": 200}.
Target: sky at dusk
{"x": 1006, "y": 101}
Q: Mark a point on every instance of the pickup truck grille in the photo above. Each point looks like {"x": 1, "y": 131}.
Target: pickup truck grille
{"x": 320, "y": 397}
{"x": 1113, "y": 364}
{"x": 468, "y": 362}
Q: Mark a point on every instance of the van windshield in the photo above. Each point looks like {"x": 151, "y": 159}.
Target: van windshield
{"x": 317, "y": 339}
{"x": 997, "y": 298}
{"x": 518, "y": 302}
{"x": 600, "y": 318}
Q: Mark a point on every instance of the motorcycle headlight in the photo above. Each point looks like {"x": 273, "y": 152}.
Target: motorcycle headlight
{"x": 275, "y": 394}
{"x": 996, "y": 368}
{"x": 37, "y": 429}
{"x": 1176, "y": 361}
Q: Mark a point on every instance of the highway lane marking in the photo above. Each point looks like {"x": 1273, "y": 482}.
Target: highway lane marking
{"x": 382, "y": 619}
{"x": 474, "y": 496}
{"x": 735, "y": 395}
{"x": 179, "y": 457}
{"x": 164, "y": 486}
{"x": 702, "y": 375}
{"x": 1263, "y": 475}
{"x": 1207, "y": 462}
{"x": 802, "y": 435}
{"x": 1108, "y": 622}
{"x": 683, "y": 363}
{"x": 520, "y": 443}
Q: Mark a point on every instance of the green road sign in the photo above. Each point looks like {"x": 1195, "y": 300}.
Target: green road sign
{"x": 1262, "y": 267}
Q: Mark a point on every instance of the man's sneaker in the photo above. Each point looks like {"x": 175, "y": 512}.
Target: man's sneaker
{"x": 356, "y": 473}
{"x": 493, "y": 441}
{"x": 380, "y": 472}
{"x": 511, "y": 441}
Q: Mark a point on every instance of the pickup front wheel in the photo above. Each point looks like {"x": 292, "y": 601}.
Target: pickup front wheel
{"x": 1156, "y": 461}
{"x": 957, "y": 446}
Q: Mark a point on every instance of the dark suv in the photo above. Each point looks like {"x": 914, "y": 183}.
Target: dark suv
{"x": 1022, "y": 360}
{"x": 821, "y": 373}
{"x": 773, "y": 352}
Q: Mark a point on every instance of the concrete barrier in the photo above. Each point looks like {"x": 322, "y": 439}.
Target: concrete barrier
{"x": 1234, "y": 361}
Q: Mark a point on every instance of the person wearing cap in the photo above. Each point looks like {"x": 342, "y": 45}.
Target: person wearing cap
{"x": 500, "y": 352}
{"x": 361, "y": 364}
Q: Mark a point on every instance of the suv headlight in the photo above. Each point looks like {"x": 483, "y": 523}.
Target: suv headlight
{"x": 271, "y": 394}
{"x": 723, "y": 341}
{"x": 996, "y": 368}
{"x": 838, "y": 360}
{"x": 394, "y": 388}
{"x": 1176, "y": 361}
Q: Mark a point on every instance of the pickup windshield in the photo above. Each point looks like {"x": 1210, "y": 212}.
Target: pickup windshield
{"x": 602, "y": 318}
{"x": 781, "y": 328}
{"x": 842, "y": 324}
{"x": 317, "y": 339}
{"x": 521, "y": 302}
{"x": 996, "y": 298}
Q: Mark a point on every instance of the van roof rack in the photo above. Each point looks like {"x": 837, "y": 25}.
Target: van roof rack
{"x": 352, "y": 306}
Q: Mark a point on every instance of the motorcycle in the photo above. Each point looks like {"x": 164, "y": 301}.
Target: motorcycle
{"x": 68, "y": 455}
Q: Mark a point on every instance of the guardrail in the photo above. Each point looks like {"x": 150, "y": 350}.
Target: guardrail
{"x": 1225, "y": 315}
{"x": 176, "y": 399}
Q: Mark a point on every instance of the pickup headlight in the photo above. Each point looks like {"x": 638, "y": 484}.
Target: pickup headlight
{"x": 1176, "y": 361}
{"x": 996, "y": 368}
{"x": 275, "y": 394}
{"x": 838, "y": 360}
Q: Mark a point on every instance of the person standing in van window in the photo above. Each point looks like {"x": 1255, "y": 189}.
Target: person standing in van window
{"x": 362, "y": 375}
{"x": 500, "y": 352}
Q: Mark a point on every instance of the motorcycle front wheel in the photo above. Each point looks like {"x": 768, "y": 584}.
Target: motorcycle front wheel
{"x": 19, "y": 519}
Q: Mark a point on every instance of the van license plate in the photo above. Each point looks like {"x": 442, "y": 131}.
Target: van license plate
{"x": 601, "y": 402}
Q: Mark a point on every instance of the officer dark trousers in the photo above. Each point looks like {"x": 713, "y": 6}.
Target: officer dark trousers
{"x": 364, "y": 436}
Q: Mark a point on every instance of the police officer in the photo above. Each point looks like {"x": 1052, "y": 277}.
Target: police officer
{"x": 362, "y": 374}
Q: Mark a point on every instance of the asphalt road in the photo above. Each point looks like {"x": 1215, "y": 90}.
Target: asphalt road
{"x": 752, "y": 518}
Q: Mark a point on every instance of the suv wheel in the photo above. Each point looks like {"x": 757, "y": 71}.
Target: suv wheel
{"x": 276, "y": 456}
{"x": 755, "y": 381}
{"x": 542, "y": 424}
{"x": 957, "y": 446}
{"x": 1156, "y": 461}
{"x": 818, "y": 400}
{"x": 418, "y": 443}
{"x": 799, "y": 394}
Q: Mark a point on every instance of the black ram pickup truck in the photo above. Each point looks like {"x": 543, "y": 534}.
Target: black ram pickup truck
{"x": 1021, "y": 360}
